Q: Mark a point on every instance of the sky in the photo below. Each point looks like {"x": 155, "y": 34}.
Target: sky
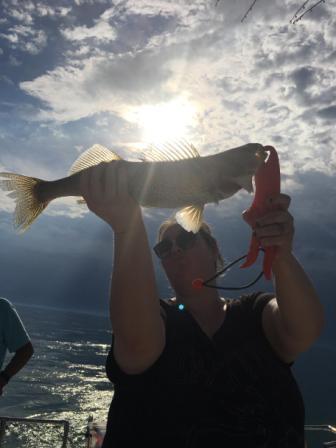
{"x": 125, "y": 73}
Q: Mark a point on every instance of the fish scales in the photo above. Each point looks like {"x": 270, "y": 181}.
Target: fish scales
{"x": 154, "y": 184}
{"x": 184, "y": 182}
{"x": 171, "y": 184}
{"x": 189, "y": 181}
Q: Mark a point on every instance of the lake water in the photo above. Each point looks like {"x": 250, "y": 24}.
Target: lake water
{"x": 65, "y": 379}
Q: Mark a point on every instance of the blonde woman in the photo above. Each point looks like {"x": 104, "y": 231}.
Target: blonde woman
{"x": 200, "y": 370}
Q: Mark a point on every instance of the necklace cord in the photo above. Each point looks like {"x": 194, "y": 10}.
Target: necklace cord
{"x": 231, "y": 288}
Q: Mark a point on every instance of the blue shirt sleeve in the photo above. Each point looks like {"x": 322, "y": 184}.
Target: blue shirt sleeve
{"x": 14, "y": 333}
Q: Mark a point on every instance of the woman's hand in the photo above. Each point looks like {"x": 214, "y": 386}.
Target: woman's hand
{"x": 276, "y": 228}
{"x": 105, "y": 190}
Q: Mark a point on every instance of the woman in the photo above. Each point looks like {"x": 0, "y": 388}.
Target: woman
{"x": 200, "y": 370}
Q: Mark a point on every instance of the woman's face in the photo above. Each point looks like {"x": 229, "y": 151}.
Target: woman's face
{"x": 183, "y": 266}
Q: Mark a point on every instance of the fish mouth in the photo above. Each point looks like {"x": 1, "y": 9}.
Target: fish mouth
{"x": 261, "y": 154}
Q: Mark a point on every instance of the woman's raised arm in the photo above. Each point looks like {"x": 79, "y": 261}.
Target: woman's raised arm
{"x": 139, "y": 332}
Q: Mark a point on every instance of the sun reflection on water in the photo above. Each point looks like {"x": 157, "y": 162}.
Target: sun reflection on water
{"x": 65, "y": 380}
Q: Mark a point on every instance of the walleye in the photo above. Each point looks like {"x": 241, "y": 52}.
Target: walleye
{"x": 170, "y": 176}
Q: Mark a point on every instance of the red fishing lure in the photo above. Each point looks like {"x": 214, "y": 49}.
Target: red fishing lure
{"x": 267, "y": 184}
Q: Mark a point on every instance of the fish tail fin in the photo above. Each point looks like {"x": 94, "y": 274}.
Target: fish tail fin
{"x": 23, "y": 190}
{"x": 91, "y": 157}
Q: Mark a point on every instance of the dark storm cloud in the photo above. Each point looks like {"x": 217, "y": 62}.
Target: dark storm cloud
{"x": 328, "y": 113}
{"x": 303, "y": 77}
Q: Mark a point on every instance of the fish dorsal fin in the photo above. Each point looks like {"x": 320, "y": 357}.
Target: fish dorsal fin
{"x": 190, "y": 218}
{"x": 169, "y": 152}
{"x": 91, "y": 157}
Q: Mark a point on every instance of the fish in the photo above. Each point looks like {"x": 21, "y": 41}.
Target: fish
{"x": 166, "y": 176}
{"x": 267, "y": 184}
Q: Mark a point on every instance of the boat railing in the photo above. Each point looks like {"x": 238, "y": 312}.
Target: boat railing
{"x": 95, "y": 431}
{"x": 327, "y": 428}
{"x": 94, "y": 434}
{"x": 5, "y": 421}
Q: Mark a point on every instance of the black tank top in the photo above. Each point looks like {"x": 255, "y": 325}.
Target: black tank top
{"x": 229, "y": 391}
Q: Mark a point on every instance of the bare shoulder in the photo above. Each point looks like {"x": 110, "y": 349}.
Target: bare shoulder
{"x": 275, "y": 333}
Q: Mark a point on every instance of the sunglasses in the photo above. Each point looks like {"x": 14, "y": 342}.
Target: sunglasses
{"x": 184, "y": 240}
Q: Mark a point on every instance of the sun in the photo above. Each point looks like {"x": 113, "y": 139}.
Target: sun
{"x": 166, "y": 121}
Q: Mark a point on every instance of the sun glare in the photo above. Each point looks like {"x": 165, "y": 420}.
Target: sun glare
{"x": 166, "y": 121}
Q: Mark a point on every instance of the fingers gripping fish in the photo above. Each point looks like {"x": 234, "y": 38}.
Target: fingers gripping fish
{"x": 267, "y": 183}
{"x": 166, "y": 177}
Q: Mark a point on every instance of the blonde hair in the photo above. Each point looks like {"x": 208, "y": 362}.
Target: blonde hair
{"x": 205, "y": 232}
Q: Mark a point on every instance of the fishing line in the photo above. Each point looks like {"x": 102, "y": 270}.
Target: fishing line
{"x": 199, "y": 283}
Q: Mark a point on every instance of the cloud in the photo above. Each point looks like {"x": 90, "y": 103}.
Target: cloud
{"x": 27, "y": 11}
{"x": 263, "y": 80}
{"x": 14, "y": 61}
{"x": 82, "y": 52}
{"x": 328, "y": 113}
{"x": 26, "y": 38}
{"x": 24, "y": 164}
{"x": 43, "y": 10}
{"x": 109, "y": 84}
{"x": 6, "y": 203}
{"x": 22, "y": 25}
{"x": 67, "y": 207}
{"x": 90, "y": 2}
{"x": 303, "y": 77}
{"x": 20, "y": 15}
{"x": 102, "y": 31}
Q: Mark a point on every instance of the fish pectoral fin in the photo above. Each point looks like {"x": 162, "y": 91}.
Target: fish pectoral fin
{"x": 169, "y": 152}
{"x": 245, "y": 182}
{"x": 190, "y": 218}
{"x": 91, "y": 157}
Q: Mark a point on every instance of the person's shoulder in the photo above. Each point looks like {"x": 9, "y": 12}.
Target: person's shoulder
{"x": 253, "y": 297}
{"x": 246, "y": 311}
{"x": 253, "y": 302}
{"x": 5, "y": 304}
{"x": 169, "y": 303}
{"x": 243, "y": 300}
{"x": 6, "y": 310}
{"x": 166, "y": 305}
